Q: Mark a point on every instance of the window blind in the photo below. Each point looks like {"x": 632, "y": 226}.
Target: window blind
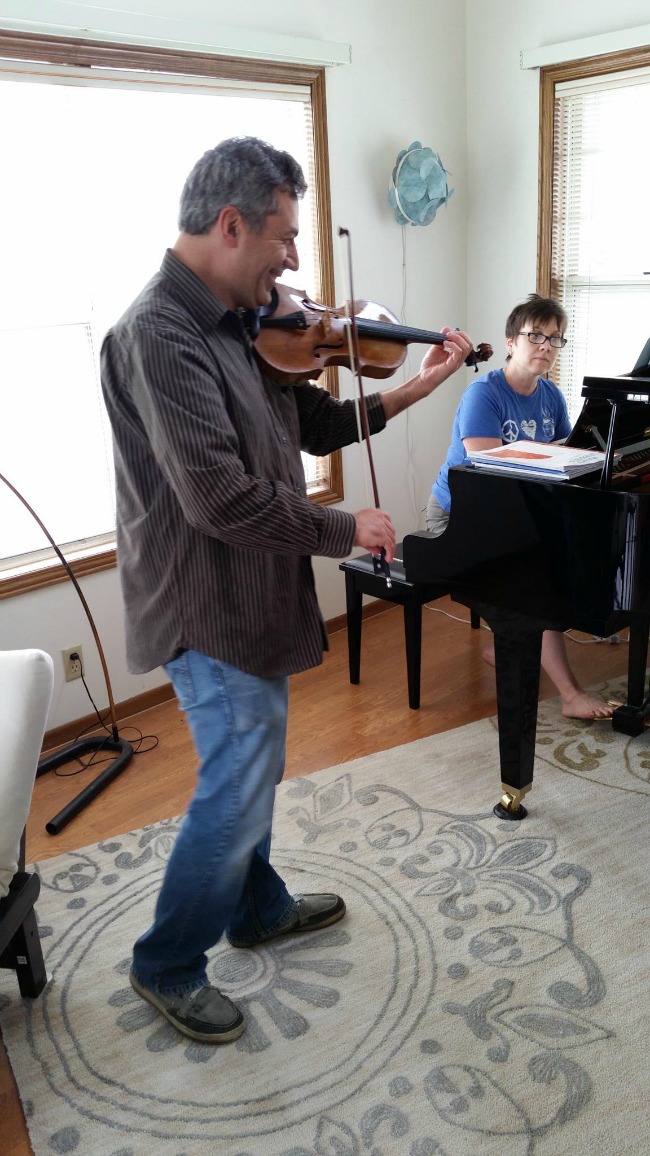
{"x": 96, "y": 165}
{"x": 601, "y": 226}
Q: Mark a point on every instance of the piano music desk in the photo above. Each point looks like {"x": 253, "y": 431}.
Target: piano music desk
{"x": 360, "y": 579}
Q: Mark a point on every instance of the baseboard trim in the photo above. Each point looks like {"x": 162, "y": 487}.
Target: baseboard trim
{"x": 68, "y": 732}
{"x": 378, "y": 606}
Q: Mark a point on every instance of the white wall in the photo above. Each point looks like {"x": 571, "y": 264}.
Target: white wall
{"x": 417, "y": 72}
{"x": 502, "y": 140}
{"x": 54, "y": 620}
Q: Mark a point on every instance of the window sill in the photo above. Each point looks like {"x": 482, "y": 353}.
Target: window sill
{"x": 36, "y": 576}
{"x": 35, "y": 573}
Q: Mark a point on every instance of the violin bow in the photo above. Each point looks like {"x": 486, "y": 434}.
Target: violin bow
{"x": 380, "y": 565}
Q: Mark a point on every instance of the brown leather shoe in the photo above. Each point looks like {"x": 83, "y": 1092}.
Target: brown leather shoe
{"x": 203, "y": 1014}
{"x": 310, "y": 913}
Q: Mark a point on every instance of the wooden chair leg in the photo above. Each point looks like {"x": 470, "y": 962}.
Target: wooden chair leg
{"x": 28, "y": 956}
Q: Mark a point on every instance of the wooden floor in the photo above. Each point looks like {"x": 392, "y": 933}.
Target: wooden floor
{"x": 330, "y": 722}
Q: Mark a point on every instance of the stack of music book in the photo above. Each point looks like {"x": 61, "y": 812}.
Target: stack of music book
{"x": 551, "y": 462}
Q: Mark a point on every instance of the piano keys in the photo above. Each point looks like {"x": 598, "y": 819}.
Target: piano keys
{"x": 531, "y": 555}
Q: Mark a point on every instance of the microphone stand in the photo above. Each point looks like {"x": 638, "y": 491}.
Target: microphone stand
{"x": 91, "y": 742}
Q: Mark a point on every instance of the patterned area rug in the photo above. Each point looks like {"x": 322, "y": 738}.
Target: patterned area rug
{"x": 487, "y": 992}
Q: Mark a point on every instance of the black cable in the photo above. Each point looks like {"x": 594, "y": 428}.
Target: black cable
{"x": 94, "y": 760}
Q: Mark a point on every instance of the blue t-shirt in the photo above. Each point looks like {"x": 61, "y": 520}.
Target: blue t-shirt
{"x": 489, "y": 408}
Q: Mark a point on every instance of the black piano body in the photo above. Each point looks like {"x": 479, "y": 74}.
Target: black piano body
{"x": 530, "y": 555}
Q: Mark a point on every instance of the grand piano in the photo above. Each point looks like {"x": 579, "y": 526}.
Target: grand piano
{"x": 531, "y": 555}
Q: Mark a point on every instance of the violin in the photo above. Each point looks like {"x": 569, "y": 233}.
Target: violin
{"x": 296, "y": 338}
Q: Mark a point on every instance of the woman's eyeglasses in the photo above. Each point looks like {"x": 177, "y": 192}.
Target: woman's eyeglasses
{"x": 540, "y": 338}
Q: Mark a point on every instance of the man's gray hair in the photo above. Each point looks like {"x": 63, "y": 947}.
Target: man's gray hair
{"x": 242, "y": 171}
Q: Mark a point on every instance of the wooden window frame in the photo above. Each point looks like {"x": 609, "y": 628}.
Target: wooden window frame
{"x": 550, "y": 76}
{"x": 100, "y": 54}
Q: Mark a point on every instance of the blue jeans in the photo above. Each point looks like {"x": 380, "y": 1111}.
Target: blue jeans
{"x": 437, "y": 518}
{"x": 219, "y": 877}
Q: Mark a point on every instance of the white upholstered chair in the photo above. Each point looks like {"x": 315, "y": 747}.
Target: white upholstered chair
{"x": 26, "y": 681}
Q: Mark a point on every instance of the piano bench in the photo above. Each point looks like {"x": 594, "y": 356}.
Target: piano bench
{"x": 360, "y": 579}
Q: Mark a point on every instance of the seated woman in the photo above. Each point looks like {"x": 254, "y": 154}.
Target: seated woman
{"x": 507, "y": 405}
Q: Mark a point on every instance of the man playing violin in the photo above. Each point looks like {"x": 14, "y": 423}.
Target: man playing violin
{"x": 214, "y": 538}
{"x": 518, "y": 402}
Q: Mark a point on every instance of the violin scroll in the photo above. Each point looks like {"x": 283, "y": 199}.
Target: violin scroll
{"x": 483, "y": 352}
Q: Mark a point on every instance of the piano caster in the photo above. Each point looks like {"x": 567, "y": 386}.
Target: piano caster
{"x": 629, "y": 720}
{"x": 510, "y": 806}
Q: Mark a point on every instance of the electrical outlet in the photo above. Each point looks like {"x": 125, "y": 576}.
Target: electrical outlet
{"x": 72, "y": 663}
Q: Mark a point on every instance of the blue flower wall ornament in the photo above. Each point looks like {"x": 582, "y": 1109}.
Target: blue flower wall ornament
{"x": 418, "y": 186}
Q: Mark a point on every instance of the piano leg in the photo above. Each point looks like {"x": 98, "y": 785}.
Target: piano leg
{"x": 630, "y": 718}
{"x": 517, "y": 652}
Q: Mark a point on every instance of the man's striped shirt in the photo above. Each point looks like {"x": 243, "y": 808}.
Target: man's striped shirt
{"x": 214, "y": 529}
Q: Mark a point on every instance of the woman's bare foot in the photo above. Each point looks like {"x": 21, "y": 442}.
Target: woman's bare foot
{"x": 575, "y": 704}
{"x": 587, "y": 706}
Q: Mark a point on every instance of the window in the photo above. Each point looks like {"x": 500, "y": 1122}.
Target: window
{"x": 594, "y": 252}
{"x": 98, "y": 157}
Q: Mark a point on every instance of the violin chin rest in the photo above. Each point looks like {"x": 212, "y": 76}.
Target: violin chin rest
{"x": 251, "y": 321}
